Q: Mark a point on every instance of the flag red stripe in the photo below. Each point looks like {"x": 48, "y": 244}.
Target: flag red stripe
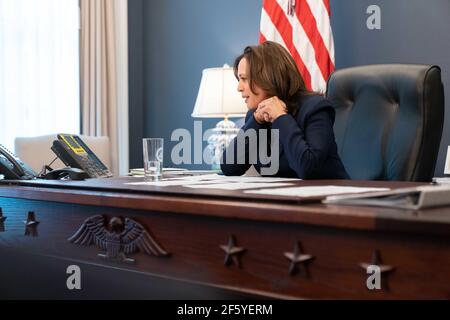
{"x": 326, "y": 3}
{"x": 309, "y": 23}
{"x": 278, "y": 18}
{"x": 327, "y": 6}
{"x": 262, "y": 38}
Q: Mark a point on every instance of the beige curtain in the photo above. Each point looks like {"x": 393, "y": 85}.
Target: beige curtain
{"x": 98, "y": 73}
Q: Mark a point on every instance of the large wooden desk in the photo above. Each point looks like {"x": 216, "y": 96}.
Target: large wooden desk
{"x": 192, "y": 225}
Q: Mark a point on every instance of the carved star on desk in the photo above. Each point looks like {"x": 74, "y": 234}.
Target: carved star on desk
{"x": 384, "y": 268}
{"x": 376, "y": 260}
{"x": 298, "y": 257}
{"x": 232, "y": 252}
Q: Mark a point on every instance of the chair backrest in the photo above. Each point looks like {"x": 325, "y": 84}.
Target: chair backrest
{"x": 36, "y": 152}
{"x": 389, "y": 120}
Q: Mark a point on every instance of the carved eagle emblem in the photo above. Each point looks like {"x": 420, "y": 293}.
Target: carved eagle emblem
{"x": 118, "y": 238}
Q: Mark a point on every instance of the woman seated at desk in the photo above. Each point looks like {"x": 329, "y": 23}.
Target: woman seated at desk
{"x": 277, "y": 98}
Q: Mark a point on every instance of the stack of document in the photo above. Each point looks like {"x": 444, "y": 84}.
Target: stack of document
{"x": 140, "y": 171}
{"x": 441, "y": 180}
{"x": 216, "y": 181}
{"x": 405, "y": 198}
{"x": 315, "y": 191}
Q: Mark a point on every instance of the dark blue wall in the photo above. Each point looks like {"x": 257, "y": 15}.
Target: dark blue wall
{"x": 136, "y": 81}
{"x": 172, "y": 41}
{"x": 180, "y": 39}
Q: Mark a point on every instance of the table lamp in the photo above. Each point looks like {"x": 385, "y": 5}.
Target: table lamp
{"x": 218, "y": 98}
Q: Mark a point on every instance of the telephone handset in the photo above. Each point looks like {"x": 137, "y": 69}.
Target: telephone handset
{"x": 11, "y": 167}
{"x": 76, "y": 154}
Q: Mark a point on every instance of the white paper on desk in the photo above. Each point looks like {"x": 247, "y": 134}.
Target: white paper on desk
{"x": 222, "y": 178}
{"x": 210, "y": 179}
{"x": 405, "y": 198}
{"x": 175, "y": 182}
{"x": 314, "y": 191}
{"x": 199, "y": 177}
{"x": 260, "y": 179}
{"x": 237, "y": 185}
{"x": 165, "y": 183}
{"x": 441, "y": 180}
{"x": 140, "y": 171}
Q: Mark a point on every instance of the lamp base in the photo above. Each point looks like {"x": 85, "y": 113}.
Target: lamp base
{"x": 224, "y": 132}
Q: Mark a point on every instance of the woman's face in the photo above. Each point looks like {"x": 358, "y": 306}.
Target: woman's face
{"x": 252, "y": 99}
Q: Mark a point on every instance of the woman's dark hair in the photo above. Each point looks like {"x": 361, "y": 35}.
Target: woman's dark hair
{"x": 272, "y": 68}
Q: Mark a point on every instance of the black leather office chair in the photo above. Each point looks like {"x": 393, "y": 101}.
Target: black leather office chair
{"x": 389, "y": 120}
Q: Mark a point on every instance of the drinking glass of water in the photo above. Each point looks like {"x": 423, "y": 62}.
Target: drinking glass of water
{"x": 153, "y": 157}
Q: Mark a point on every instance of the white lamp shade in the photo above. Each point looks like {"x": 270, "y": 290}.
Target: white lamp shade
{"x": 218, "y": 96}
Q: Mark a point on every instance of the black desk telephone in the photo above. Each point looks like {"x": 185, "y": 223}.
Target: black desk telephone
{"x": 76, "y": 154}
{"x": 13, "y": 168}
{"x": 70, "y": 149}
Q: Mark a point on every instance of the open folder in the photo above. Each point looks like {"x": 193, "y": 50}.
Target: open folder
{"x": 406, "y": 198}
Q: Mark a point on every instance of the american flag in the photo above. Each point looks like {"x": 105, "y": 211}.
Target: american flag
{"x": 303, "y": 27}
